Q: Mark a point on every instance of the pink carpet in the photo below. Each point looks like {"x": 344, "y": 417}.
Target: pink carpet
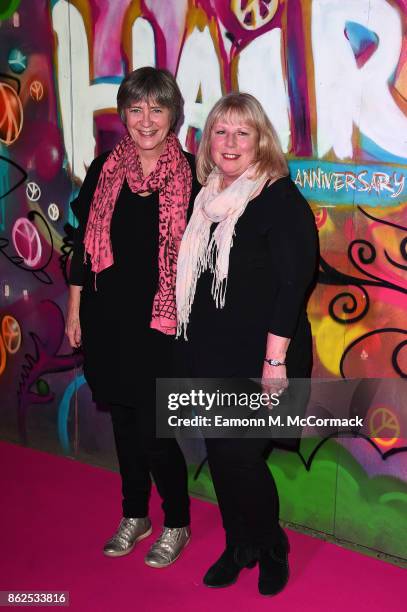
{"x": 57, "y": 512}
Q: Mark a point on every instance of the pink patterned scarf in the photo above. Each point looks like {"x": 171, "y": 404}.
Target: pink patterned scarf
{"x": 172, "y": 177}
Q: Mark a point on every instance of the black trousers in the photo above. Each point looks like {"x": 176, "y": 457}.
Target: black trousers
{"x": 246, "y": 490}
{"x": 140, "y": 454}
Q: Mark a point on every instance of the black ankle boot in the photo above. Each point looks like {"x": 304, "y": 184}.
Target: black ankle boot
{"x": 273, "y": 565}
{"x": 228, "y": 567}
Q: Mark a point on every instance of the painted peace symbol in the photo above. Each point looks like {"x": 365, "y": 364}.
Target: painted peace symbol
{"x": 33, "y": 192}
{"x": 11, "y": 114}
{"x": 254, "y": 14}
{"x": 27, "y": 241}
{"x": 384, "y": 421}
{"x": 11, "y": 332}
{"x": 53, "y": 212}
{"x": 37, "y": 91}
{"x": 17, "y": 61}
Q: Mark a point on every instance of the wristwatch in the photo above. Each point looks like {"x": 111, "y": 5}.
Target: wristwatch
{"x": 274, "y": 362}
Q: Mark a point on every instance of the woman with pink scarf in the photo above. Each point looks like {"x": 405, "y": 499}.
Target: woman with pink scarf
{"x": 132, "y": 210}
{"x": 245, "y": 266}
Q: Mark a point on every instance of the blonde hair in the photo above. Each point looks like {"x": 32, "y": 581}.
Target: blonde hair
{"x": 270, "y": 160}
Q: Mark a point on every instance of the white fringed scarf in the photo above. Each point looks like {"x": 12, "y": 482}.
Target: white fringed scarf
{"x": 198, "y": 250}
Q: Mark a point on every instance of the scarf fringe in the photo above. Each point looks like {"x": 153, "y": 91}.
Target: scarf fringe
{"x": 202, "y": 264}
{"x": 219, "y": 285}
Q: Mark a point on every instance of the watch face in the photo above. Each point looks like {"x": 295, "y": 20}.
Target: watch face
{"x": 274, "y": 362}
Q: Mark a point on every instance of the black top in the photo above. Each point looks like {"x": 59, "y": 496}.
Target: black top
{"x": 272, "y": 266}
{"x": 121, "y": 351}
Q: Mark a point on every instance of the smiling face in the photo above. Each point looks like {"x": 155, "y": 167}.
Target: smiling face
{"x": 148, "y": 124}
{"x": 233, "y": 146}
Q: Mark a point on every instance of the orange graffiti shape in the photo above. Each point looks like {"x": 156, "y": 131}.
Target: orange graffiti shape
{"x": 37, "y": 91}
{"x": 11, "y": 114}
{"x": 384, "y": 426}
{"x": 11, "y": 332}
{"x": 3, "y": 356}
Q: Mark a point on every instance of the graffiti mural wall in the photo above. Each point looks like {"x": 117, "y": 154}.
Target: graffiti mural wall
{"x": 332, "y": 76}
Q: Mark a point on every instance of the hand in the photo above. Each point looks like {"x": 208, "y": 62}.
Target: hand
{"x": 274, "y": 379}
{"x": 73, "y": 329}
{"x": 72, "y": 323}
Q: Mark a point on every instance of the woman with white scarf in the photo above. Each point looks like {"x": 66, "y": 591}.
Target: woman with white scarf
{"x": 245, "y": 267}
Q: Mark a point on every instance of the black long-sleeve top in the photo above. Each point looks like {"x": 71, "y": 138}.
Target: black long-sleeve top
{"x": 122, "y": 354}
{"x": 272, "y": 266}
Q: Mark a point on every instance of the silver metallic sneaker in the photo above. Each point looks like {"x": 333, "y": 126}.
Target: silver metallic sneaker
{"x": 130, "y": 531}
{"x": 168, "y": 547}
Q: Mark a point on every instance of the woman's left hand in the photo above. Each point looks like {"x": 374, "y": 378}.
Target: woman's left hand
{"x": 274, "y": 379}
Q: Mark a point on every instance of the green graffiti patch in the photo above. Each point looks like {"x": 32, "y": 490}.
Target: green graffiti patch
{"x": 42, "y": 387}
{"x": 7, "y": 8}
{"x": 336, "y": 497}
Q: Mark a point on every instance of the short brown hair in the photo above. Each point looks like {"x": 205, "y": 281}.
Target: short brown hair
{"x": 149, "y": 83}
{"x": 270, "y": 159}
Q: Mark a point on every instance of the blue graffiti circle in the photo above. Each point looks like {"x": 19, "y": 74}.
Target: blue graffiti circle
{"x": 17, "y": 61}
